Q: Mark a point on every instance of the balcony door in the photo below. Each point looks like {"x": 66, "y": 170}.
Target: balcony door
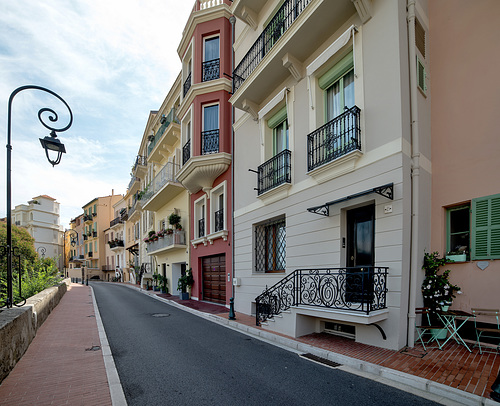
{"x": 360, "y": 254}
{"x": 210, "y": 135}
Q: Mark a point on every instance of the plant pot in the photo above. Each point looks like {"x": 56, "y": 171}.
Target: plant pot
{"x": 457, "y": 258}
{"x": 184, "y": 295}
{"x": 440, "y": 334}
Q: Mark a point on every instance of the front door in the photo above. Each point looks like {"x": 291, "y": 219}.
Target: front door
{"x": 214, "y": 278}
{"x": 360, "y": 254}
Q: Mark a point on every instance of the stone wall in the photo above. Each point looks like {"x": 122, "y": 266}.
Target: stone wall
{"x": 18, "y": 325}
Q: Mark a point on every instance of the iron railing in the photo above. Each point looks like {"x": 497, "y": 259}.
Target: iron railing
{"x": 166, "y": 174}
{"x": 274, "y": 172}
{"x": 140, "y": 161}
{"x": 219, "y": 220}
{"x": 336, "y": 138}
{"x": 210, "y": 142}
{"x": 281, "y": 21}
{"x": 201, "y": 228}
{"x": 116, "y": 243}
{"x": 187, "y": 85}
{"x": 178, "y": 237}
{"x": 170, "y": 118}
{"x": 186, "y": 152}
{"x": 132, "y": 181}
{"x": 210, "y": 70}
{"x": 362, "y": 289}
{"x": 117, "y": 220}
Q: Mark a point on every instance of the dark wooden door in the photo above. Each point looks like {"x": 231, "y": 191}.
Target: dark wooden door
{"x": 214, "y": 278}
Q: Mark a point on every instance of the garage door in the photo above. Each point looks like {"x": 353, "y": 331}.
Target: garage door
{"x": 214, "y": 278}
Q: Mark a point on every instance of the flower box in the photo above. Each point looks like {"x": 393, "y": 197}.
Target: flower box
{"x": 457, "y": 258}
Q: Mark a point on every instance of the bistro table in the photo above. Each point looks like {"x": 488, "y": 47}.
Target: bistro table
{"x": 453, "y": 320}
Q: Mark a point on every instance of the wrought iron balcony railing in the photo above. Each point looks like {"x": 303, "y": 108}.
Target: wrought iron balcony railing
{"x": 117, "y": 243}
{"x": 88, "y": 217}
{"x": 85, "y": 238}
{"x": 210, "y": 70}
{"x": 335, "y": 139}
{"x": 281, "y": 21}
{"x": 201, "y": 228}
{"x": 186, "y": 152}
{"x": 362, "y": 289}
{"x": 140, "y": 161}
{"x": 132, "y": 181}
{"x": 275, "y": 171}
{"x": 187, "y": 84}
{"x": 178, "y": 237}
{"x": 166, "y": 174}
{"x": 219, "y": 220}
{"x": 170, "y": 118}
{"x": 90, "y": 254}
{"x": 116, "y": 221}
{"x": 210, "y": 142}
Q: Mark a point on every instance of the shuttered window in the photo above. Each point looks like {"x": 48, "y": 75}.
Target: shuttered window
{"x": 485, "y": 242}
{"x": 420, "y": 37}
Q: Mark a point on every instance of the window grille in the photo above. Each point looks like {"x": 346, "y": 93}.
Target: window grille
{"x": 270, "y": 246}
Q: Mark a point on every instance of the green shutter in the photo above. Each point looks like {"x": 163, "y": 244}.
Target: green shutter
{"x": 345, "y": 64}
{"x": 278, "y": 118}
{"x": 485, "y": 242}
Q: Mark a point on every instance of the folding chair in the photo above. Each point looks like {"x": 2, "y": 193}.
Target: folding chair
{"x": 426, "y": 330}
{"x": 488, "y": 328}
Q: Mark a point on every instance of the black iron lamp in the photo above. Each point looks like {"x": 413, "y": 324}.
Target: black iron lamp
{"x": 50, "y": 143}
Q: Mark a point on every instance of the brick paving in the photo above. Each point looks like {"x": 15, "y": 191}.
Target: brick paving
{"x": 58, "y": 368}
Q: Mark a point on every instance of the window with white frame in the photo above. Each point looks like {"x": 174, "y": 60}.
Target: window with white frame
{"x": 270, "y": 246}
{"x": 218, "y": 208}
{"x": 210, "y": 134}
{"x": 211, "y": 59}
{"x": 200, "y": 216}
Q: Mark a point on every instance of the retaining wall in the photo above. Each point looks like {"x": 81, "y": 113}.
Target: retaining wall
{"x": 18, "y": 325}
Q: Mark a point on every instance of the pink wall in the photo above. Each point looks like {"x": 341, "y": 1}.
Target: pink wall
{"x": 465, "y": 88}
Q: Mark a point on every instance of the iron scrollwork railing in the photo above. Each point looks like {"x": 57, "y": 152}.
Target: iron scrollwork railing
{"x": 211, "y": 70}
{"x": 186, "y": 152}
{"x": 281, "y": 21}
{"x": 210, "y": 142}
{"x": 275, "y": 171}
{"x": 362, "y": 289}
{"x": 336, "y": 138}
{"x": 201, "y": 228}
{"x": 187, "y": 85}
{"x": 219, "y": 220}
{"x": 18, "y": 299}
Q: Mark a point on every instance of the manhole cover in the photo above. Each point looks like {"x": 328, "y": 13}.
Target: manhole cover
{"x": 161, "y": 315}
{"x": 93, "y": 348}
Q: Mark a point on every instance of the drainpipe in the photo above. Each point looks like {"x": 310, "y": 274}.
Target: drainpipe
{"x": 232, "y": 20}
{"x": 415, "y": 172}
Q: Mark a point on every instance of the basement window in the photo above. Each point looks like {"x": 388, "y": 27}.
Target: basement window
{"x": 339, "y": 329}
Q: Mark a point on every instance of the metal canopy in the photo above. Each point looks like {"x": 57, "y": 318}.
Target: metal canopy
{"x": 385, "y": 190}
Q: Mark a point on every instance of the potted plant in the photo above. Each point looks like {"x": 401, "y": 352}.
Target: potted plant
{"x": 437, "y": 290}
{"x": 186, "y": 280}
{"x": 163, "y": 281}
{"x": 156, "y": 278}
{"x": 459, "y": 255}
{"x": 174, "y": 219}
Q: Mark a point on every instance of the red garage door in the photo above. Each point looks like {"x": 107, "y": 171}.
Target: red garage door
{"x": 214, "y": 278}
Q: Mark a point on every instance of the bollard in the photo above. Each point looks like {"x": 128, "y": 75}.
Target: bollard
{"x": 495, "y": 395}
{"x": 232, "y": 316}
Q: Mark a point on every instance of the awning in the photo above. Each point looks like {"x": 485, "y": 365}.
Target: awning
{"x": 385, "y": 191}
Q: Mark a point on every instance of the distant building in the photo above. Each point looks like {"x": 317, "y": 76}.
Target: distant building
{"x": 40, "y": 217}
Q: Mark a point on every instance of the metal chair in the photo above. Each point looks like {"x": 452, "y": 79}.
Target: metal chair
{"x": 426, "y": 330}
{"x": 488, "y": 328}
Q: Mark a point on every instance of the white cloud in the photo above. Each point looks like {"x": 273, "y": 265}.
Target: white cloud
{"x": 112, "y": 61}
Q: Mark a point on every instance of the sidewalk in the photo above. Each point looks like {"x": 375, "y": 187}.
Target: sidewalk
{"x": 64, "y": 364}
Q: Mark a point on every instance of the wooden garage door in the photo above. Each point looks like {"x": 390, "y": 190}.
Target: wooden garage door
{"x": 214, "y": 278}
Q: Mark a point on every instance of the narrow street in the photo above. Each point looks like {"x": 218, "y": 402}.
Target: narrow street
{"x": 166, "y": 356}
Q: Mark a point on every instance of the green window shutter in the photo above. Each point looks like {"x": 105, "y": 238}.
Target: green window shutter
{"x": 278, "y": 118}
{"x": 95, "y": 246}
{"x": 345, "y": 64}
{"x": 485, "y": 242}
{"x": 95, "y": 208}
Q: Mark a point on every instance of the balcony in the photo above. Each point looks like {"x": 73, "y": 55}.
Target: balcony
{"x": 90, "y": 254}
{"x": 94, "y": 234}
{"x": 116, "y": 243}
{"x": 343, "y": 291}
{"x": 140, "y": 166}
{"x": 163, "y": 188}
{"x": 210, "y": 142}
{"x": 299, "y": 28}
{"x": 187, "y": 85}
{"x": 88, "y": 218}
{"x": 133, "y": 181}
{"x": 275, "y": 172}
{"x": 335, "y": 139}
{"x": 170, "y": 241}
{"x": 135, "y": 210}
{"x": 115, "y": 222}
{"x": 219, "y": 220}
{"x": 210, "y": 70}
{"x": 166, "y": 136}
{"x": 85, "y": 237}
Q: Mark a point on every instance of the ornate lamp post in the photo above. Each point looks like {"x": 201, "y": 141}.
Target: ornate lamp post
{"x": 49, "y": 143}
{"x": 74, "y": 238}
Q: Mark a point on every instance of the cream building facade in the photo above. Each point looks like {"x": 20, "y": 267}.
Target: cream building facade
{"x": 330, "y": 202}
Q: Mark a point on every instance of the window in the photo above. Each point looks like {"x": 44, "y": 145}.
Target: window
{"x": 279, "y": 124}
{"x": 421, "y": 76}
{"x": 210, "y": 134}
{"x": 270, "y": 246}
{"x": 485, "y": 227}
{"x": 211, "y": 61}
{"x": 217, "y": 208}
{"x": 458, "y": 229}
{"x": 199, "y": 218}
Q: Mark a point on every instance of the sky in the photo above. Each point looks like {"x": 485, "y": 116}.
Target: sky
{"x": 112, "y": 61}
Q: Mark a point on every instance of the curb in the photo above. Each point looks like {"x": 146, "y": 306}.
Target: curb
{"x": 425, "y": 388}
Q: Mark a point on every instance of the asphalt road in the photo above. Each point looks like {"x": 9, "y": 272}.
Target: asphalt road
{"x": 166, "y": 356}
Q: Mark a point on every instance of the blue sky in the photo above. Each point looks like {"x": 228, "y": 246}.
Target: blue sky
{"x": 112, "y": 61}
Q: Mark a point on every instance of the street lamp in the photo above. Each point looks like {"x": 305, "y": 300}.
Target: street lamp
{"x": 73, "y": 235}
{"x": 49, "y": 143}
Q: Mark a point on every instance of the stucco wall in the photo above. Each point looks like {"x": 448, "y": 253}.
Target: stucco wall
{"x": 18, "y": 326}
